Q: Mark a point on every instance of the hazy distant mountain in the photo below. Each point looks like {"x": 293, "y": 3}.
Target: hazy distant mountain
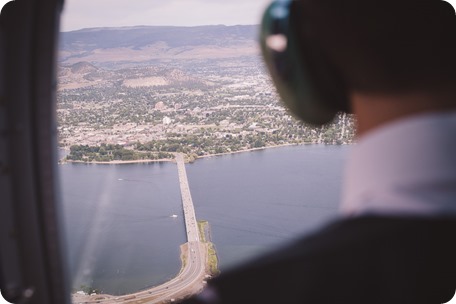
{"x": 83, "y": 68}
{"x": 143, "y": 43}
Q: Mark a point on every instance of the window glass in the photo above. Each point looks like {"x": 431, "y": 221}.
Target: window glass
{"x": 146, "y": 84}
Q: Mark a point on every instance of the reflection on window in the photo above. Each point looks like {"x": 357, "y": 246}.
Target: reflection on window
{"x": 133, "y": 101}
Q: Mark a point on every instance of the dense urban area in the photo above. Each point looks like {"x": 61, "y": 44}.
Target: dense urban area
{"x": 118, "y": 110}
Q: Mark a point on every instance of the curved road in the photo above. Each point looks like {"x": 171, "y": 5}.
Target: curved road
{"x": 191, "y": 278}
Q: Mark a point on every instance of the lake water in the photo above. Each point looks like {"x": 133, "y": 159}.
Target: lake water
{"x": 121, "y": 236}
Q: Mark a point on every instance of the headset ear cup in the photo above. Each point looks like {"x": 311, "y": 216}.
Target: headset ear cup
{"x": 328, "y": 82}
{"x": 290, "y": 66}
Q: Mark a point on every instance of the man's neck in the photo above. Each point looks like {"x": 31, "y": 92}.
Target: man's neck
{"x": 374, "y": 110}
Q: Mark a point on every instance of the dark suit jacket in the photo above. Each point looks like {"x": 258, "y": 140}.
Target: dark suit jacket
{"x": 362, "y": 260}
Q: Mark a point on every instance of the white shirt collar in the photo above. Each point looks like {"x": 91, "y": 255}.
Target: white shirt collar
{"x": 405, "y": 168}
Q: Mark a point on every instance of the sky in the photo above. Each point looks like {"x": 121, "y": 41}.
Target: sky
{"x": 99, "y": 13}
{"x": 80, "y": 14}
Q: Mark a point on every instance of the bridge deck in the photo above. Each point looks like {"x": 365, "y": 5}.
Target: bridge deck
{"x": 187, "y": 202}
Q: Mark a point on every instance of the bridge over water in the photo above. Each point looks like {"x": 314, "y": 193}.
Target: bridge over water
{"x": 191, "y": 224}
{"x": 190, "y": 279}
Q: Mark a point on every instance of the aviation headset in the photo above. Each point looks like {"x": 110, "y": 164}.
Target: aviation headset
{"x": 306, "y": 82}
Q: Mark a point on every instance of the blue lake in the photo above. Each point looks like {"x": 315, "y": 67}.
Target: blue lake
{"x": 121, "y": 236}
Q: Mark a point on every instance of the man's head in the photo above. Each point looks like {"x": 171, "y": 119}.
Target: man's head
{"x": 384, "y": 46}
{"x": 381, "y": 50}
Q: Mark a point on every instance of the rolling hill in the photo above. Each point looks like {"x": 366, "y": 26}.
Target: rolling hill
{"x": 148, "y": 43}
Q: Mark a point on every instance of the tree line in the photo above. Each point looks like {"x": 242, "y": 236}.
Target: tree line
{"x": 110, "y": 152}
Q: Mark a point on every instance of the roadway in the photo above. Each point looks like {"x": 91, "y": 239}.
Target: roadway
{"x": 193, "y": 273}
{"x": 191, "y": 224}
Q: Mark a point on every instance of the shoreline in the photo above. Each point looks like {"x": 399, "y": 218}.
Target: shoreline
{"x": 147, "y": 294}
{"x": 252, "y": 150}
{"x": 118, "y": 162}
{"x": 165, "y": 160}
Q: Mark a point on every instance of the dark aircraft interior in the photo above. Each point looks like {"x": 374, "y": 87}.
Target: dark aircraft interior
{"x": 31, "y": 268}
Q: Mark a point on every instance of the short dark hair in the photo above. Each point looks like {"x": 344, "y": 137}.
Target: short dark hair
{"x": 384, "y": 45}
